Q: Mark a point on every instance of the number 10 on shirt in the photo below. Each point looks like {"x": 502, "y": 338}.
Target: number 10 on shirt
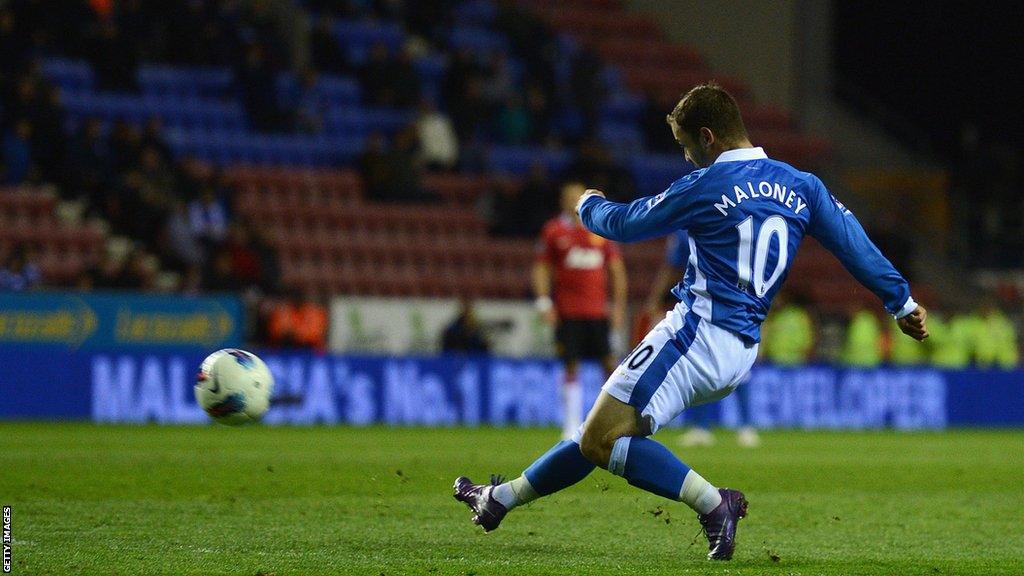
{"x": 751, "y": 267}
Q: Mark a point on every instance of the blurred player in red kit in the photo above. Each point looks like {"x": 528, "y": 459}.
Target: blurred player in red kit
{"x": 570, "y": 280}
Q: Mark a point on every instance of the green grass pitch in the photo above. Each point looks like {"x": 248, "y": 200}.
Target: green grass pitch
{"x": 305, "y": 501}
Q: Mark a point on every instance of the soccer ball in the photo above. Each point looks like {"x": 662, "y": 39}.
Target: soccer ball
{"x": 234, "y": 386}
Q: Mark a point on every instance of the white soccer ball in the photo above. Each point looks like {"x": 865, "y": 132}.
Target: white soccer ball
{"x": 234, "y": 386}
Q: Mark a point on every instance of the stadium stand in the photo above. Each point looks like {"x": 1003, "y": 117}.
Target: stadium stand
{"x": 300, "y": 182}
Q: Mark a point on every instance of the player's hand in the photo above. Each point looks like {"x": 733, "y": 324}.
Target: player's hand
{"x": 913, "y": 324}
{"x": 590, "y": 192}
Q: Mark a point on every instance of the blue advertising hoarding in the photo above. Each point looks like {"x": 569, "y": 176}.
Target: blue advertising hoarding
{"x": 69, "y": 321}
{"x": 156, "y": 386}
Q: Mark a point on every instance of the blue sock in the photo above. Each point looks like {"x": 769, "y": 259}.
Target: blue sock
{"x": 560, "y": 467}
{"x": 647, "y": 464}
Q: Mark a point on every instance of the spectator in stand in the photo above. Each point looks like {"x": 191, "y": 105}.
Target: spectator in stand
{"x": 499, "y": 83}
{"x": 539, "y": 111}
{"x": 17, "y": 271}
{"x": 586, "y": 79}
{"x": 521, "y": 211}
{"x": 219, "y": 275}
{"x": 112, "y": 59}
{"x": 140, "y": 270}
{"x": 405, "y": 182}
{"x": 298, "y": 321}
{"x": 507, "y": 210}
{"x": 373, "y": 74}
{"x": 656, "y": 138}
{"x": 863, "y": 347}
{"x": 392, "y": 175}
{"x": 952, "y": 341}
{"x": 258, "y": 90}
{"x": 390, "y": 80}
{"x": 462, "y": 70}
{"x": 438, "y": 144}
{"x": 788, "y": 332}
{"x": 124, "y": 149}
{"x": 48, "y": 136}
{"x": 309, "y": 103}
{"x": 180, "y": 243}
{"x": 87, "y": 162}
{"x": 16, "y": 159}
{"x": 997, "y": 338}
{"x": 326, "y": 54}
{"x": 208, "y": 215}
{"x": 464, "y": 335}
{"x": 403, "y": 82}
{"x": 595, "y": 166}
{"x": 470, "y": 112}
{"x": 152, "y": 138}
{"x": 514, "y": 124}
{"x": 373, "y": 164}
{"x": 245, "y": 260}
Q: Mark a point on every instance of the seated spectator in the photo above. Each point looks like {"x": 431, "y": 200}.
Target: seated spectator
{"x": 208, "y": 216}
{"x": 595, "y": 166}
{"x": 87, "y": 162}
{"x": 298, "y": 321}
{"x": 373, "y": 164}
{"x": 258, "y": 89}
{"x": 125, "y": 147}
{"x": 863, "y": 346}
{"x": 16, "y": 157}
{"x": 438, "y": 144}
{"x": 308, "y": 103}
{"x": 392, "y": 175}
{"x": 499, "y": 84}
{"x": 657, "y": 136}
{"x": 520, "y": 211}
{"x": 180, "y": 241}
{"x": 514, "y": 124}
{"x": 325, "y": 52}
{"x": 464, "y": 334}
{"x": 390, "y": 80}
{"x": 788, "y": 332}
{"x": 373, "y": 75}
{"x": 245, "y": 259}
{"x": 152, "y": 139}
{"x": 17, "y": 271}
{"x": 112, "y": 59}
{"x": 997, "y": 338}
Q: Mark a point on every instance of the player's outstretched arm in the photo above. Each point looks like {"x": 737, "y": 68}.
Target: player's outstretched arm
{"x": 640, "y": 219}
{"x": 839, "y": 231}
{"x": 915, "y": 323}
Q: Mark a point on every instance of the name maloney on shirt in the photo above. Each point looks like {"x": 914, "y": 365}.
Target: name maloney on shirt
{"x": 770, "y": 190}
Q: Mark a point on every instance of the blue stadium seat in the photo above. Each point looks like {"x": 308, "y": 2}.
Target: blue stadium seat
{"x": 194, "y": 81}
{"x": 331, "y": 90}
{"x": 431, "y": 69}
{"x": 69, "y": 75}
{"x": 623, "y": 139}
{"x": 623, "y": 107}
{"x": 654, "y": 172}
{"x": 362, "y": 121}
{"x": 358, "y": 36}
{"x": 481, "y": 12}
{"x": 479, "y": 40}
{"x": 519, "y": 159}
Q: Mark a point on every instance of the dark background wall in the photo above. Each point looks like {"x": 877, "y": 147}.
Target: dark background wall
{"x": 939, "y": 65}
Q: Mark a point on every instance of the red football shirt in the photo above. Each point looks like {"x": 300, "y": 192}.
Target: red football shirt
{"x": 579, "y": 260}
